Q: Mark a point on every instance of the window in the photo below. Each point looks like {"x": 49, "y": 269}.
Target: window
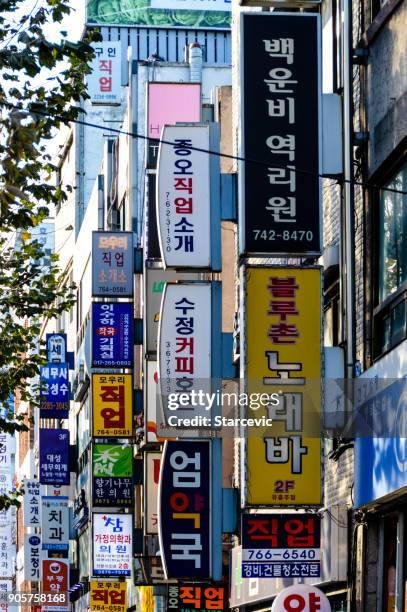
{"x": 391, "y": 293}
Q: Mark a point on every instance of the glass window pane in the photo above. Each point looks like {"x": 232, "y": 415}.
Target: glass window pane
{"x": 393, "y": 236}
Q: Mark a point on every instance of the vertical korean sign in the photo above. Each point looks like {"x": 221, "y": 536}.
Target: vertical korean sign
{"x": 112, "y": 475}
{"x": 112, "y": 335}
{"x": 104, "y": 82}
{"x": 183, "y": 197}
{"x": 151, "y": 482}
{"x": 184, "y": 526}
{"x": 280, "y": 198}
{"x": 112, "y": 264}
{"x": 112, "y": 544}
{"x": 32, "y": 503}
{"x": 112, "y": 405}
{"x": 184, "y": 340}
{"x": 54, "y": 456}
{"x": 32, "y": 557}
{"x": 55, "y": 391}
{"x": 283, "y": 356}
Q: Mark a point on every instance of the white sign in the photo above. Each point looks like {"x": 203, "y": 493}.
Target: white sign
{"x": 7, "y": 549}
{"x": 55, "y": 523}
{"x": 184, "y": 343}
{"x": 153, "y": 461}
{"x": 32, "y": 557}
{"x": 32, "y": 503}
{"x": 104, "y": 82}
{"x": 112, "y": 544}
{"x": 301, "y": 598}
{"x": 183, "y": 197}
{"x": 7, "y": 448}
{"x": 192, "y": 5}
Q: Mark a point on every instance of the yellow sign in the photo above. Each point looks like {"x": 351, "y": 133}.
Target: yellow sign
{"x": 145, "y": 598}
{"x": 108, "y": 596}
{"x": 283, "y": 358}
{"x": 112, "y": 405}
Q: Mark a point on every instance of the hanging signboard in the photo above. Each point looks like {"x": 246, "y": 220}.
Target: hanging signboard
{"x": 108, "y": 595}
{"x": 184, "y": 197}
{"x": 54, "y": 456}
{"x": 301, "y": 597}
{"x": 112, "y": 335}
{"x": 32, "y": 557}
{"x": 184, "y": 489}
{"x": 112, "y": 475}
{"x": 104, "y": 80}
{"x": 112, "y": 264}
{"x": 57, "y": 351}
{"x": 7, "y": 450}
{"x": 32, "y": 503}
{"x": 55, "y": 523}
{"x": 281, "y": 546}
{"x": 202, "y": 597}
{"x": 152, "y": 245}
{"x": 280, "y": 192}
{"x": 182, "y": 103}
{"x": 151, "y": 482}
{"x": 112, "y": 405}
{"x": 55, "y": 391}
{"x": 283, "y": 355}
{"x": 184, "y": 356}
{"x": 112, "y": 544}
{"x": 55, "y": 585}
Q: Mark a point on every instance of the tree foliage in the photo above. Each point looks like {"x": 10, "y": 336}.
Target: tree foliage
{"x": 42, "y": 84}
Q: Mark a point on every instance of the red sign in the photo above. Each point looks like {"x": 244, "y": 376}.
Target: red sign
{"x": 301, "y": 598}
{"x": 55, "y": 577}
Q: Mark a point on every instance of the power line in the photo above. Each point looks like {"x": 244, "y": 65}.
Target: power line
{"x": 201, "y": 150}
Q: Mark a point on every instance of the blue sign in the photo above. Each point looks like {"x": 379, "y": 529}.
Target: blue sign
{"x": 54, "y": 456}
{"x": 112, "y": 335}
{"x": 55, "y": 391}
{"x": 56, "y": 348}
{"x": 185, "y": 491}
{"x": 381, "y": 458}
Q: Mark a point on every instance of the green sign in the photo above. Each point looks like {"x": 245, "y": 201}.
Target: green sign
{"x": 160, "y": 13}
{"x": 112, "y": 460}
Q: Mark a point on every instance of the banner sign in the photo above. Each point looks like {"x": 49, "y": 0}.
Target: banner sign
{"x": 191, "y": 14}
{"x": 152, "y": 245}
{"x": 32, "y": 557}
{"x": 112, "y": 405}
{"x": 32, "y": 503}
{"x": 55, "y": 391}
{"x": 57, "y": 351}
{"x": 184, "y": 197}
{"x": 112, "y": 475}
{"x": 202, "y": 597}
{"x": 182, "y": 103}
{"x": 112, "y": 544}
{"x": 112, "y": 264}
{"x": 283, "y": 355}
{"x": 281, "y": 113}
{"x": 112, "y": 335}
{"x": 54, "y": 456}
{"x": 151, "y": 482}
{"x": 184, "y": 341}
{"x": 104, "y": 80}
{"x": 55, "y": 523}
{"x": 281, "y": 546}
{"x": 108, "y": 595}
{"x": 184, "y": 525}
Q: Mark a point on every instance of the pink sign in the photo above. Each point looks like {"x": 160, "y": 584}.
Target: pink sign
{"x": 169, "y": 103}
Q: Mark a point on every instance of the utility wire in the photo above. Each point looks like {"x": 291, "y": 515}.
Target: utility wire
{"x": 157, "y": 141}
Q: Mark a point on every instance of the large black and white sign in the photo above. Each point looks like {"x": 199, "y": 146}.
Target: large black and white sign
{"x": 280, "y": 206}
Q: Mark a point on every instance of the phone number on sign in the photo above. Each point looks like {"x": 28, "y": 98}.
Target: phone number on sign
{"x": 279, "y": 554}
{"x": 33, "y": 598}
{"x": 300, "y": 235}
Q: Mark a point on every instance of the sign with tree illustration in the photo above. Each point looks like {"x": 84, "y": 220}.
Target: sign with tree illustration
{"x": 112, "y": 475}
